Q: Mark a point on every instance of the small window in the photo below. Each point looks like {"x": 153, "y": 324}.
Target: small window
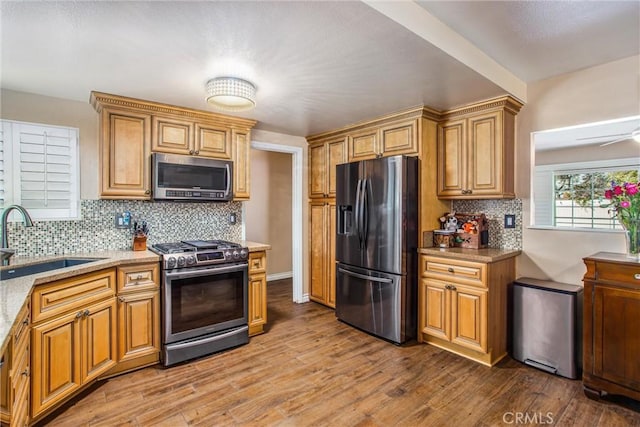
{"x": 39, "y": 169}
{"x": 572, "y": 194}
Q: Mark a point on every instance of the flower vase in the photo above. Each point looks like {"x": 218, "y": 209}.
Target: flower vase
{"x": 632, "y": 236}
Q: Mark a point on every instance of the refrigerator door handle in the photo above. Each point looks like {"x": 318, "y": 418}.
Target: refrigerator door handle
{"x": 357, "y": 213}
{"x": 365, "y": 213}
{"x": 364, "y": 276}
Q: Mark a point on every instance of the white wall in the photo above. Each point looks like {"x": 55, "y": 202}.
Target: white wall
{"x": 604, "y": 92}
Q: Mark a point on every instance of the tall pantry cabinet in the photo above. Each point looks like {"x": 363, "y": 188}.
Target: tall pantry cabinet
{"x": 412, "y": 132}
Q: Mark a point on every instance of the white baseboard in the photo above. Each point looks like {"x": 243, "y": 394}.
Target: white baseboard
{"x": 305, "y": 298}
{"x": 279, "y": 276}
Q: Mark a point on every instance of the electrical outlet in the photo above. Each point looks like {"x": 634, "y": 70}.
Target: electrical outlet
{"x": 509, "y": 221}
{"x": 123, "y": 219}
{"x": 232, "y": 218}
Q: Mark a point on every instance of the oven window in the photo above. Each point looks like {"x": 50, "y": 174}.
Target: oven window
{"x": 201, "y": 302}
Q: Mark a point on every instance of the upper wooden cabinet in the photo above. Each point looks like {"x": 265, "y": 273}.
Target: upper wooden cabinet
{"x": 125, "y": 147}
{"x": 324, "y": 156}
{"x": 131, "y": 129}
{"x": 384, "y": 140}
{"x": 476, "y": 150}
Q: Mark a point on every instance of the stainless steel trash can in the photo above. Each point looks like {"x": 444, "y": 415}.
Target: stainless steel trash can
{"x": 547, "y": 326}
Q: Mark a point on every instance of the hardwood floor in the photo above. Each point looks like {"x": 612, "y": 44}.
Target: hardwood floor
{"x": 310, "y": 369}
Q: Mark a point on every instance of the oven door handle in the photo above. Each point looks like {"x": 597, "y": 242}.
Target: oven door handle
{"x": 205, "y": 271}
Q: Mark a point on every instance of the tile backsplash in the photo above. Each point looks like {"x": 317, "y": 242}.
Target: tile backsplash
{"x": 95, "y": 231}
{"x": 495, "y": 210}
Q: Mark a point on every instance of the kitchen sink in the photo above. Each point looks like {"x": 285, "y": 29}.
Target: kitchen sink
{"x": 41, "y": 267}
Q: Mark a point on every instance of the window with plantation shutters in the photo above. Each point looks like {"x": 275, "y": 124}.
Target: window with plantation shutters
{"x": 39, "y": 169}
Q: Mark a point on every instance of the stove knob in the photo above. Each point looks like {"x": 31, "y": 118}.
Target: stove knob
{"x": 236, "y": 254}
{"x": 243, "y": 253}
{"x": 171, "y": 262}
{"x": 191, "y": 259}
{"x": 181, "y": 261}
{"x": 228, "y": 255}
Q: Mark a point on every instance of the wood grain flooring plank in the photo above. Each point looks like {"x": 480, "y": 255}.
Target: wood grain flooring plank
{"x": 310, "y": 369}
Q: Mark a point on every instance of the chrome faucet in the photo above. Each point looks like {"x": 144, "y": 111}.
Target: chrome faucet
{"x": 5, "y": 252}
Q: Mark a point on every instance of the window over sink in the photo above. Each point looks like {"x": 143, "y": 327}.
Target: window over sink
{"x": 39, "y": 169}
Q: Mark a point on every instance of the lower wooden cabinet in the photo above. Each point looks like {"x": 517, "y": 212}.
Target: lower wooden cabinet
{"x": 611, "y": 340}
{"x": 15, "y": 373}
{"x": 138, "y": 318}
{"x": 257, "y": 292}
{"x": 322, "y": 245}
{"x": 71, "y": 350}
{"x": 462, "y": 306}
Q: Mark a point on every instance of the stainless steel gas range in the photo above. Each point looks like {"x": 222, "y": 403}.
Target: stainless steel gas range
{"x": 204, "y": 298}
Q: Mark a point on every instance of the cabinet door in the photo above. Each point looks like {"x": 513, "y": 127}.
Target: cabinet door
{"x": 616, "y": 335}
{"x": 170, "y": 135}
{"x": 451, "y": 158}
{"x": 434, "y": 303}
{"x": 330, "y": 257}
{"x": 240, "y": 142}
{"x": 138, "y": 325}
{"x": 364, "y": 145}
{"x": 318, "y": 170}
{"x": 125, "y": 140}
{"x": 337, "y": 154}
{"x": 212, "y": 141}
{"x": 469, "y": 317}
{"x": 317, "y": 244}
{"x": 257, "y": 302}
{"x": 55, "y": 363}
{"x": 99, "y": 345}
{"x": 485, "y": 154}
{"x": 399, "y": 138}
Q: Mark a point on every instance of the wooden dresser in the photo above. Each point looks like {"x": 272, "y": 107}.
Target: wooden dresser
{"x": 611, "y": 326}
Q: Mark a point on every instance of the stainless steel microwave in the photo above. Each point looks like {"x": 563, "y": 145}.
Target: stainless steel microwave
{"x": 188, "y": 178}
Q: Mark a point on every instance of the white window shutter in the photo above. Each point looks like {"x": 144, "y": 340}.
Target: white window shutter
{"x": 45, "y": 176}
{"x": 543, "y": 197}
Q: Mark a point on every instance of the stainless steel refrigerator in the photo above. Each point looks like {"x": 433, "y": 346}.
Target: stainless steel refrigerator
{"x": 376, "y": 246}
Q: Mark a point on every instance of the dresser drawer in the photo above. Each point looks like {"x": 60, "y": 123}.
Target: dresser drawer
{"x": 52, "y": 299}
{"x": 20, "y": 368}
{"x": 615, "y": 272}
{"x": 471, "y": 273}
{"x": 138, "y": 277}
{"x": 257, "y": 262}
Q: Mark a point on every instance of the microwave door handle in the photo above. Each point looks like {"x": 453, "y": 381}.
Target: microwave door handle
{"x": 228, "y": 180}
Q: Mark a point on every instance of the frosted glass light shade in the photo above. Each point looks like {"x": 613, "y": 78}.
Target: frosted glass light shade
{"x": 231, "y": 94}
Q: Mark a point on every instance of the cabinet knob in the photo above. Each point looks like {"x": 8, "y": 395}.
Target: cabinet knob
{"x": 121, "y": 299}
{"x": 636, "y": 276}
{"x": 450, "y": 270}
{"x": 190, "y": 151}
{"x": 79, "y": 315}
{"x": 147, "y": 191}
{"x": 25, "y": 322}
{"x": 139, "y": 277}
{"x": 86, "y": 313}
{"x": 25, "y": 372}
{"x": 197, "y": 151}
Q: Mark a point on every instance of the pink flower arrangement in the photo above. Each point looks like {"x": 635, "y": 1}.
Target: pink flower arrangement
{"x": 625, "y": 204}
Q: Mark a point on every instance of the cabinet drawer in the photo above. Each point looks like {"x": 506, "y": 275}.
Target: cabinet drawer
{"x": 19, "y": 411}
{"x": 138, "y": 277}
{"x": 454, "y": 270}
{"x": 257, "y": 262}
{"x": 613, "y": 272}
{"x": 52, "y": 299}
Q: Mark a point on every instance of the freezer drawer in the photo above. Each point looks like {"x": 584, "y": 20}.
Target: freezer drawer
{"x": 376, "y": 302}
{"x": 547, "y": 326}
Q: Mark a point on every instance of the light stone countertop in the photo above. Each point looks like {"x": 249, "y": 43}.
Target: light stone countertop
{"x": 14, "y": 293}
{"x": 478, "y": 255}
{"x": 254, "y": 246}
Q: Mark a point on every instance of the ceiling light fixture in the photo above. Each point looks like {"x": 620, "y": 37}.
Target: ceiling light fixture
{"x": 231, "y": 94}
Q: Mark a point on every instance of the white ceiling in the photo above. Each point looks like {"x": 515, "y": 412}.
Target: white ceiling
{"x": 317, "y": 65}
